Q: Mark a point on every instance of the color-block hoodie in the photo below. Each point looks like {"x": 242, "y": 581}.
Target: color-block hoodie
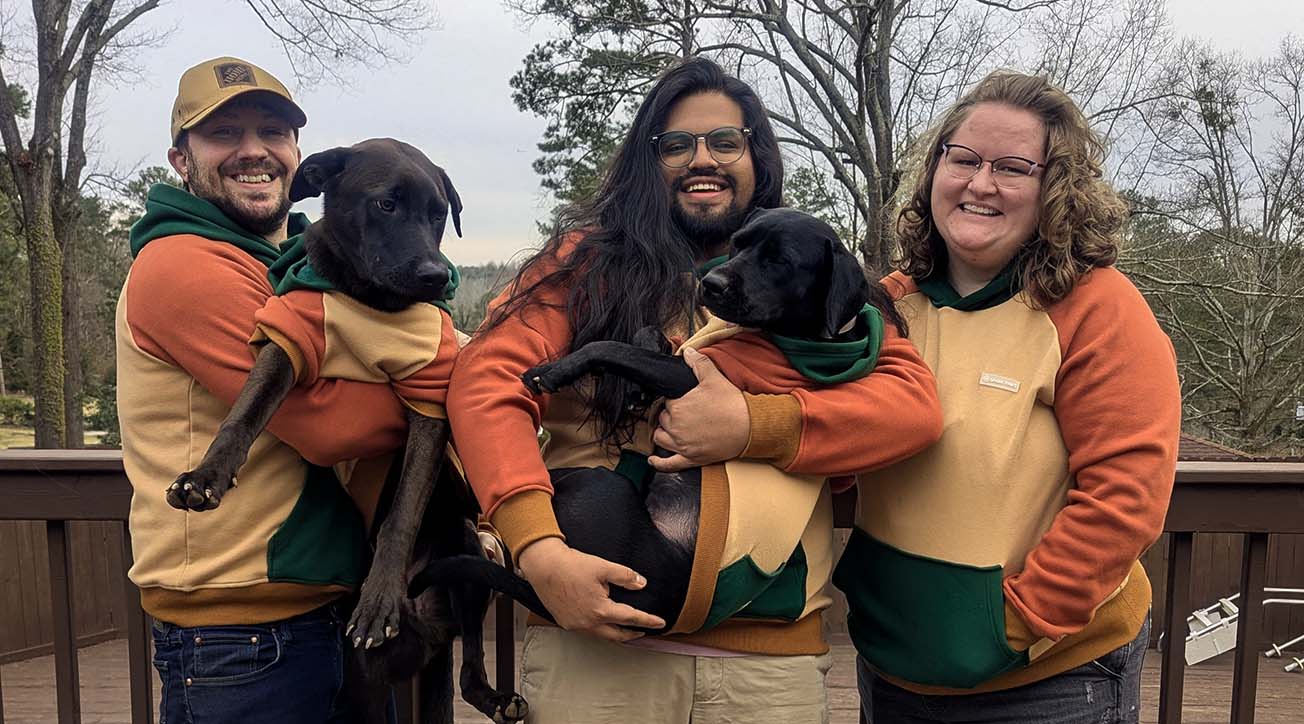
{"x": 765, "y": 536}
{"x": 799, "y": 432}
{"x": 288, "y": 539}
{"x": 1008, "y": 552}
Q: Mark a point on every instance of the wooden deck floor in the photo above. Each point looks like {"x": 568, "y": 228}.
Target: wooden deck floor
{"x": 29, "y": 690}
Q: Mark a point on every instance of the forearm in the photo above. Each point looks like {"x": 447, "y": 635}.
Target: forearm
{"x": 882, "y": 418}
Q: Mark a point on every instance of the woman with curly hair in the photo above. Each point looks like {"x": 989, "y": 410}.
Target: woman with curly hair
{"x": 995, "y": 576}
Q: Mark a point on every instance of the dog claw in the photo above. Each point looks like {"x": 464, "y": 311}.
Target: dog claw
{"x": 188, "y": 487}
{"x": 357, "y": 641}
{"x": 370, "y": 643}
{"x": 349, "y": 630}
{"x": 390, "y": 632}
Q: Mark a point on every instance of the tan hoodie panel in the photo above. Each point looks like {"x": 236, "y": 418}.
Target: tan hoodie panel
{"x": 369, "y": 345}
{"x": 981, "y": 480}
{"x": 184, "y": 550}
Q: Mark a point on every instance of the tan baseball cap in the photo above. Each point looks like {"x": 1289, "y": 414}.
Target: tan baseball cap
{"x": 205, "y": 87}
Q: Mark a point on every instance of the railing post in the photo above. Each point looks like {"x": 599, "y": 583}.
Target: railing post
{"x": 138, "y": 641}
{"x": 1173, "y": 664}
{"x": 505, "y": 644}
{"x": 66, "y": 679}
{"x": 1245, "y": 675}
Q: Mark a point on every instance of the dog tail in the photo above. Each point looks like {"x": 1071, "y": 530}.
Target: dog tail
{"x": 474, "y": 570}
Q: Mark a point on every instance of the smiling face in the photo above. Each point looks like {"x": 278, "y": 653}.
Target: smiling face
{"x": 241, "y": 159}
{"x": 709, "y": 200}
{"x": 984, "y": 224}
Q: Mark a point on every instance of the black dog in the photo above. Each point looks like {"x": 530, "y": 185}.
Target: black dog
{"x": 788, "y": 275}
{"x": 378, "y": 241}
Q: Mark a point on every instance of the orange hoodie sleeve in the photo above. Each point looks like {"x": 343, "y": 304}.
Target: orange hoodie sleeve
{"x": 1119, "y": 407}
{"x": 191, "y": 303}
{"x": 881, "y": 418}
{"x": 495, "y": 418}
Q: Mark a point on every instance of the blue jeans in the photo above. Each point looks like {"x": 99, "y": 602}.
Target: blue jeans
{"x": 285, "y": 672}
{"x": 1104, "y": 691}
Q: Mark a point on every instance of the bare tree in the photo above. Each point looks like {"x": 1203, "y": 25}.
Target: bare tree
{"x": 1219, "y": 240}
{"x": 72, "y": 40}
{"x": 849, "y": 84}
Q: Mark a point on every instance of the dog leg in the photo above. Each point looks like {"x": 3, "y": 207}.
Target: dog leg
{"x": 376, "y": 617}
{"x": 470, "y": 604}
{"x": 437, "y": 686}
{"x": 270, "y": 380}
{"x": 662, "y": 375}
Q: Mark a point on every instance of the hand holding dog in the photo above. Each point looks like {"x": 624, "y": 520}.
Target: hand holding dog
{"x": 708, "y": 425}
{"x": 575, "y": 588}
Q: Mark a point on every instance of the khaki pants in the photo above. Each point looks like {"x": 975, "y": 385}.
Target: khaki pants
{"x": 572, "y": 678}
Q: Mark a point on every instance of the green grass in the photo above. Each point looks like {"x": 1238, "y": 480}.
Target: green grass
{"x": 11, "y": 436}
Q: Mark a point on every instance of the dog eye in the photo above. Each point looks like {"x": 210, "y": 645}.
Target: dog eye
{"x": 386, "y": 205}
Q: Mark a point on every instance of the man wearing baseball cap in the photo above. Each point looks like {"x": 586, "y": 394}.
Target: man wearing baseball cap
{"x": 244, "y": 596}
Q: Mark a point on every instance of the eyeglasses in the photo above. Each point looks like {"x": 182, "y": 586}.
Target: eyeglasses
{"x": 676, "y": 149}
{"x": 1007, "y": 171}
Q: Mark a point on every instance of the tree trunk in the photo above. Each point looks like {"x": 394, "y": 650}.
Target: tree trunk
{"x": 47, "y": 321}
{"x": 73, "y": 419}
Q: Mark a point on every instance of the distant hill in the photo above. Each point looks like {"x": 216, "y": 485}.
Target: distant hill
{"x": 479, "y": 284}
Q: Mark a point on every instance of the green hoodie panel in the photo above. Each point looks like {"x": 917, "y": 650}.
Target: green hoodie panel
{"x": 925, "y": 620}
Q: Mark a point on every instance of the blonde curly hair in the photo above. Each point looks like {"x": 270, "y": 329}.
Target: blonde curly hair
{"x": 1080, "y": 216}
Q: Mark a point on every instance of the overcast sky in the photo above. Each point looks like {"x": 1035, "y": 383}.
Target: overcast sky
{"x": 452, "y": 100}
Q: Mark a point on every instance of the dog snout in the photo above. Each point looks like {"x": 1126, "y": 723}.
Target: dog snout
{"x": 714, "y": 285}
{"x": 431, "y": 274}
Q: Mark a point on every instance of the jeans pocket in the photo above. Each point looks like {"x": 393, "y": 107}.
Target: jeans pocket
{"x": 233, "y": 655}
{"x": 162, "y": 668}
{"x": 1115, "y": 663}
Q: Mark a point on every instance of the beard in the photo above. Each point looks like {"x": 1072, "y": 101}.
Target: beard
{"x": 207, "y": 184}
{"x": 707, "y": 231}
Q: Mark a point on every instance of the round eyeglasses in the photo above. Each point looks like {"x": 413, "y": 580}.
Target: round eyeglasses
{"x": 1007, "y": 171}
{"x": 676, "y": 149}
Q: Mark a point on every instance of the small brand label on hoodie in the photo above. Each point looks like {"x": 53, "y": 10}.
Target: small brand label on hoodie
{"x": 1000, "y": 382}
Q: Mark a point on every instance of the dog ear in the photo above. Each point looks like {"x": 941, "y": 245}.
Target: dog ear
{"x": 316, "y": 171}
{"x": 848, "y": 290}
{"x": 454, "y": 201}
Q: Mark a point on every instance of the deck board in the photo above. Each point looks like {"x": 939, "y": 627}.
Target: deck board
{"x": 29, "y": 689}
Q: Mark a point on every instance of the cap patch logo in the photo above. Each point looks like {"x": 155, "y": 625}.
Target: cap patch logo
{"x": 229, "y": 74}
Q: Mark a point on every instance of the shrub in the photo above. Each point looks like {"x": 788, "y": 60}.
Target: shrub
{"x": 17, "y": 411}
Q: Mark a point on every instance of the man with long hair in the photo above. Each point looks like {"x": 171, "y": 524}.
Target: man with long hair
{"x": 699, "y": 156}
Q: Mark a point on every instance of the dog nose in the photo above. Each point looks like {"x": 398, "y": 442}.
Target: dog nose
{"x": 714, "y": 284}
{"x": 430, "y": 274}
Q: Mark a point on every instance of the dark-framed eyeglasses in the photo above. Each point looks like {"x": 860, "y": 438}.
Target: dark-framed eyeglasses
{"x": 676, "y": 149}
{"x": 1007, "y": 171}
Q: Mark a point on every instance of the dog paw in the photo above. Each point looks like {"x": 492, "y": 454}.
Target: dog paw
{"x": 376, "y": 618}
{"x": 200, "y": 489}
{"x": 509, "y": 709}
{"x": 549, "y": 377}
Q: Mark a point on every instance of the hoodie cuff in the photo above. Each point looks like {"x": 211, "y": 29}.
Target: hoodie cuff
{"x": 1017, "y": 633}
{"x": 775, "y": 428}
{"x": 525, "y": 518}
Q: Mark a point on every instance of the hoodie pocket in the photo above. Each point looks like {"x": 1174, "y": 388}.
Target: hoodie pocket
{"x": 924, "y": 620}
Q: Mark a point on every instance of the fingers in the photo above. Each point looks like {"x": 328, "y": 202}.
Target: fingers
{"x": 625, "y": 615}
{"x": 672, "y": 464}
{"x": 615, "y": 634}
{"x": 701, "y": 365}
{"x": 664, "y": 435}
{"x": 623, "y": 576}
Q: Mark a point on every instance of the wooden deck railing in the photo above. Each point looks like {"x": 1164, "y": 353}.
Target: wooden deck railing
{"x": 1256, "y": 500}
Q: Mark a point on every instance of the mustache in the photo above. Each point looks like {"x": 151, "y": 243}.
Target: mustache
{"x": 252, "y": 168}
{"x": 724, "y": 179}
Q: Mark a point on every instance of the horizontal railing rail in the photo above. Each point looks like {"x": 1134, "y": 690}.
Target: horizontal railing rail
{"x": 1256, "y": 500}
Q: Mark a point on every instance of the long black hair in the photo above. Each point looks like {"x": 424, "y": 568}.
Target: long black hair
{"x": 632, "y": 265}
